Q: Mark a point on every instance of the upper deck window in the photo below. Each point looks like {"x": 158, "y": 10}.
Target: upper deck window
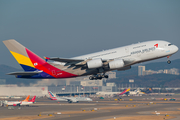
{"x": 169, "y": 44}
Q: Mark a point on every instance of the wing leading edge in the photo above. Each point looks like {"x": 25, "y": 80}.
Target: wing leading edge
{"x": 70, "y": 61}
{"x": 66, "y": 60}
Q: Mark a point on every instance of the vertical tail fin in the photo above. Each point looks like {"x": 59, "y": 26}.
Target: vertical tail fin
{"x": 33, "y": 99}
{"x": 28, "y": 60}
{"x": 125, "y": 91}
{"x": 128, "y": 89}
{"x": 27, "y": 99}
{"x": 31, "y": 62}
{"x": 52, "y": 96}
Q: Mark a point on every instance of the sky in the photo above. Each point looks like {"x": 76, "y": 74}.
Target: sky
{"x": 69, "y": 28}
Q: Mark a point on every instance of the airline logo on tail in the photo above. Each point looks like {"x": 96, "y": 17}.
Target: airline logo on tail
{"x": 33, "y": 99}
{"x": 52, "y": 96}
{"x": 125, "y": 91}
{"x": 33, "y": 65}
{"x": 156, "y": 45}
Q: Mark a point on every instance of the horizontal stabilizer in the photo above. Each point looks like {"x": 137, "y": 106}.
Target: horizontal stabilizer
{"x": 24, "y": 73}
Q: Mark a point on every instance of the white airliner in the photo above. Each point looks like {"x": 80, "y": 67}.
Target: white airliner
{"x": 27, "y": 103}
{"x": 69, "y": 99}
{"x": 95, "y": 64}
{"x": 16, "y": 103}
{"x": 54, "y": 97}
{"x": 136, "y": 92}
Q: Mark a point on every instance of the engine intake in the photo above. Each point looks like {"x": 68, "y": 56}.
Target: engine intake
{"x": 95, "y": 63}
{"x": 116, "y": 64}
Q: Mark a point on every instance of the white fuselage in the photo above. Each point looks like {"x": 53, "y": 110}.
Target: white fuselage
{"x": 61, "y": 99}
{"x": 25, "y": 103}
{"x": 10, "y": 103}
{"x": 72, "y": 99}
{"x": 140, "y": 52}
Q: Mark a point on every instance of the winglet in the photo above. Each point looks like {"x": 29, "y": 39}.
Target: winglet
{"x": 46, "y": 58}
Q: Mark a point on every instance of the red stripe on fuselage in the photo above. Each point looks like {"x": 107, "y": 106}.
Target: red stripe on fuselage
{"x": 42, "y": 65}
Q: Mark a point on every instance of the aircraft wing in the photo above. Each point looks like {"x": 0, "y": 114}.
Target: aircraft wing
{"x": 66, "y": 60}
{"x": 25, "y": 73}
{"x": 72, "y": 100}
{"x": 69, "y": 60}
{"x": 81, "y": 62}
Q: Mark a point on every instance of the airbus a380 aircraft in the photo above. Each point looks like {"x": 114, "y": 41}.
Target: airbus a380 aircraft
{"x": 95, "y": 64}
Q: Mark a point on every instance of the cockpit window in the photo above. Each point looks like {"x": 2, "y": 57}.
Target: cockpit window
{"x": 169, "y": 44}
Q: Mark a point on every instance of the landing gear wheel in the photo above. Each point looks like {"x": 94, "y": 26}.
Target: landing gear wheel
{"x": 91, "y": 77}
{"x": 169, "y": 62}
{"x": 106, "y": 76}
{"x": 99, "y": 77}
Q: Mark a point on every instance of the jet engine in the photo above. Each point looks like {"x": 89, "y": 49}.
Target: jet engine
{"x": 95, "y": 63}
{"x": 116, "y": 64}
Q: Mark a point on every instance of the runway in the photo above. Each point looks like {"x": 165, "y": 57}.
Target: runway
{"x": 95, "y": 110}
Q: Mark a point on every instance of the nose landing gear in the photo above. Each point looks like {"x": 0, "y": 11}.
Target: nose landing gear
{"x": 169, "y": 61}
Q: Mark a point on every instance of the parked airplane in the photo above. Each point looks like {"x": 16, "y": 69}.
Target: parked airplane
{"x": 54, "y": 97}
{"x": 27, "y": 103}
{"x": 95, "y": 64}
{"x": 125, "y": 91}
{"x": 136, "y": 92}
{"x": 148, "y": 90}
{"x": 16, "y": 103}
{"x": 69, "y": 99}
{"x": 79, "y": 99}
{"x": 112, "y": 93}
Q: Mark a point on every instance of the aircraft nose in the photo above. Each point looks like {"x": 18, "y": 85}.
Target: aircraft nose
{"x": 176, "y": 48}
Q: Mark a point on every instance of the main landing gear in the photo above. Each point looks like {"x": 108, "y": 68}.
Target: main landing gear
{"x": 169, "y": 61}
{"x": 98, "y": 76}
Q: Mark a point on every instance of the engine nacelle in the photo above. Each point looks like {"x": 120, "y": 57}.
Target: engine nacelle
{"x": 95, "y": 63}
{"x": 116, "y": 64}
